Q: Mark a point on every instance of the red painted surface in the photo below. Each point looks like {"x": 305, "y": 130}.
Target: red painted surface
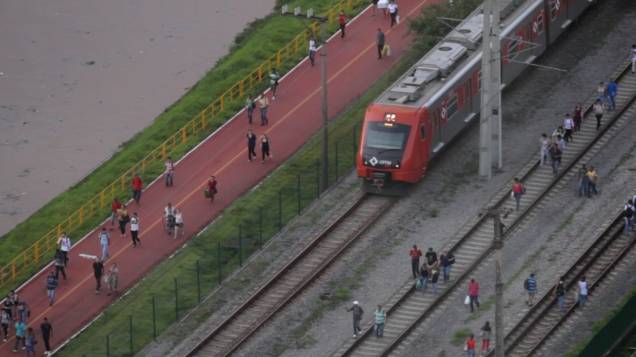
{"x": 293, "y": 118}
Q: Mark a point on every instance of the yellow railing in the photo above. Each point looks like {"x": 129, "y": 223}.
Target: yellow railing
{"x": 43, "y": 248}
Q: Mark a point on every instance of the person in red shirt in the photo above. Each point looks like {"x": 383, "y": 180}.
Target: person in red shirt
{"x": 473, "y": 293}
{"x": 471, "y": 344}
{"x": 114, "y": 207}
{"x": 137, "y": 185}
{"x": 517, "y": 191}
{"x": 342, "y": 20}
{"x": 212, "y": 188}
{"x": 415, "y": 254}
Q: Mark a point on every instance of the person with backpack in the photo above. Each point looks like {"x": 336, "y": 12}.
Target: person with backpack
{"x": 530, "y": 285}
{"x": 51, "y": 285}
{"x": 560, "y": 295}
{"x": 628, "y": 216}
{"x": 447, "y": 260}
{"x": 555, "y": 156}
{"x": 518, "y": 190}
{"x": 380, "y": 318}
{"x": 357, "y": 317}
{"x": 104, "y": 243}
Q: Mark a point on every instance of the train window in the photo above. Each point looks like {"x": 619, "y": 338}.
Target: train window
{"x": 386, "y": 138}
{"x": 451, "y": 106}
{"x": 554, "y": 6}
{"x": 422, "y": 132}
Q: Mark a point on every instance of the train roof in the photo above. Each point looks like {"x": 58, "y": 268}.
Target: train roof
{"x": 448, "y": 61}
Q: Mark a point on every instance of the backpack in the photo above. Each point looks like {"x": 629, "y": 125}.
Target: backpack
{"x": 629, "y": 212}
{"x": 451, "y": 259}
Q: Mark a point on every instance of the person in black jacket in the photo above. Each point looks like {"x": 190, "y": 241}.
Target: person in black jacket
{"x": 46, "y": 329}
{"x": 98, "y": 271}
{"x": 251, "y": 144}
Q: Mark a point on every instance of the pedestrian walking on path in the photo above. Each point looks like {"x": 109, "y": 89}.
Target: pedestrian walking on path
{"x": 380, "y": 42}
{"x": 380, "y": 318}
{"x": 273, "y": 82}
{"x": 64, "y": 245}
{"x": 633, "y": 54}
{"x": 251, "y": 145}
{"x": 431, "y": 260}
{"x": 29, "y": 342}
{"x": 560, "y": 295}
{"x": 357, "y": 316}
{"x": 628, "y": 216}
{"x": 47, "y": 330}
{"x": 530, "y": 285}
{"x": 265, "y": 147}
{"x": 113, "y": 279}
{"x": 584, "y": 181}
{"x": 578, "y": 117}
{"x": 470, "y": 346}
{"x": 263, "y": 105}
{"x": 249, "y": 107}
{"x": 342, "y": 21}
{"x": 134, "y": 229}
{"x": 393, "y": 12}
{"x": 123, "y": 219}
{"x": 485, "y": 333}
{"x": 518, "y": 190}
{"x": 593, "y": 180}
{"x": 168, "y": 218}
{"x": 434, "y": 279}
{"x": 169, "y": 173}
{"x": 598, "y": 112}
{"x": 582, "y": 291}
{"x": 612, "y": 91}
{"x": 383, "y": 4}
{"x": 114, "y": 207}
{"x": 555, "y": 156}
{"x": 424, "y": 275}
{"x": 447, "y": 260}
{"x": 137, "y": 186}
{"x": 5, "y": 319}
{"x": 374, "y": 7}
{"x": 211, "y": 189}
{"x": 415, "y": 253}
{"x": 59, "y": 265}
{"x": 544, "y": 147}
{"x": 104, "y": 243}
{"x": 312, "y": 52}
{"x": 178, "y": 223}
{"x": 20, "y": 332}
{"x": 98, "y": 271}
{"x": 22, "y": 310}
{"x": 473, "y": 294}
{"x": 568, "y": 125}
{"x": 601, "y": 93}
{"x": 51, "y": 285}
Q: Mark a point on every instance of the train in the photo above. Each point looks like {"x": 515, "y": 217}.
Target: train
{"x": 412, "y": 121}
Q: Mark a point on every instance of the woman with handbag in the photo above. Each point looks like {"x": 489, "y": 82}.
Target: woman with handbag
{"x": 211, "y": 190}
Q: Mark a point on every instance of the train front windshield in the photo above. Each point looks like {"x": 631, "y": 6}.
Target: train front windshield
{"x": 381, "y": 138}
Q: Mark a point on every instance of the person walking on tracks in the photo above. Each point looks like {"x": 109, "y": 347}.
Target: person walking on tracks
{"x": 598, "y": 112}
{"x": 560, "y": 295}
{"x": 357, "y": 317}
{"x": 628, "y": 216}
{"x": 137, "y": 186}
{"x": 380, "y": 42}
{"x": 98, "y": 272}
{"x": 134, "y": 229}
{"x": 431, "y": 260}
{"x": 568, "y": 125}
{"x": 555, "y": 156}
{"x": 518, "y": 190}
{"x": 342, "y": 22}
{"x": 251, "y": 145}
{"x": 593, "y": 180}
{"x": 47, "y": 329}
{"x": 612, "y": 91}
{"x": 485, "y": 333}
{"x": 584, "y": 181}
{"x": 415, "y": 254}
{"x": 470, "y": 346}
{"x": 51, "y": 285}
{"x": 530, "y": 285}
{"x": 578, "y": 117}
{"x": 104, "y": 243}
{"x": 633, "y": 54}
{"x": 545, "y": 146}
{"x": 265, "y": 148}
{"x": 446, "y": 261}
{"x": 380, "y": 318}
{"x": 473, "y": 294}
{"x": 582, "y": 291}
{"x": 263, "y": 105}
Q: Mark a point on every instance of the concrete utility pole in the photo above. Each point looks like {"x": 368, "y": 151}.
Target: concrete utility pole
{"x": 490, "y": 151}
{"x": 325, "y": 113}
{"x": 498, "y": 247}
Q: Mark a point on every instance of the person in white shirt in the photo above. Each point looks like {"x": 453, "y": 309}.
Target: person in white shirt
{"x": 633, "y": 59}
{"x": 169, "y": 164}
{"x": 568, "y": 125}
{"x": 393, "y": 12}
{"x": 312, "y": 51}
{"x": 582, "y": 288}
{"x": 178, "y": 223}
{"x": 545, "y": 144}
{"x": 64, "y": 244}
{"x": 134, "y": 229}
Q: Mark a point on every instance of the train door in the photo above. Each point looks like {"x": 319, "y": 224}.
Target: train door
{"x": 435, "y": 134}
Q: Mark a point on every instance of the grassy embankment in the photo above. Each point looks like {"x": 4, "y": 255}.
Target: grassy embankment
{"x": 218, "y": 245}
{"x": 260, "y": 40}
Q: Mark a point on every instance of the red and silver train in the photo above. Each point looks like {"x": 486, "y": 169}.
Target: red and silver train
{"x": 412, "y": 121}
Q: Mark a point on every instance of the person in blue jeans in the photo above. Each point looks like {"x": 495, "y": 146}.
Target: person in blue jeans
{"x": 380, "y": 318}
{"x": 20, "y": 330}
{"x": 612, "y": 90}
{"x": 560, "y": 294}
{"x": 531, "y": 287}
{"x": 423, "y": 277}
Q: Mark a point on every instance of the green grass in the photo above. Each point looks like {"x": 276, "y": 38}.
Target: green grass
{"x": 460, "y": 336}
{"x": 256, "y": 43}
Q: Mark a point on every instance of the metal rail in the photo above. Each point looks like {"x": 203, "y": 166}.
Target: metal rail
{"x": 296, "y": 275}
{"x": 408, "y": 308}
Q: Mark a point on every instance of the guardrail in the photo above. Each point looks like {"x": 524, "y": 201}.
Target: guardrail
{"x": 29, "y": 260}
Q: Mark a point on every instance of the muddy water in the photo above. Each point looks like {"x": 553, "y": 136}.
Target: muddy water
{"x": 79, "y": 77}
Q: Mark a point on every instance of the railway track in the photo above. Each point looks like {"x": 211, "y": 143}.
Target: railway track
{"x": 407, "y": 308}
{"x": 293, "y": 277}
{"x": 544, "y": 318}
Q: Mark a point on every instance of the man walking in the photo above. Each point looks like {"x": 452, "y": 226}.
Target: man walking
{"x": 380, "y": 318}
{"x": 312, "y": 51}
{"x": 379, "y": 40}
{"x": 342, "y": 21}
{"x": 545, "y": 145}
{"x": 104, "y": 242}
{"x": 628, "y": 216}
{"x": 273, "y": 82}
{"x": 612, "y": 90}
{"x": 64, "y": 245}
{"x": 20, "y": 331}
{"x": 415, "y": 254}
{"x": 393, "y": 12}
{"x": 251, "y": 145}
{"x": 46, "y": 330}
{"x": 473, "y": 294}
{"x": 555, "y": 156}
{"x": 169, "y": 164}
{"x": 446, "y": 260}
{"x": 51, "y": 285}
{"x": 518, "y": 190}
{"x": 263, "y": 104}
{"x": 357, "y": 316}
{"x": 137, "y": 185}
{"x": 59, "y": 265}
{"x": 560, "y": 294}
{"x": 598, "y": 112}
{"x": 98, "y": 271}
{"x": 633, "y": 59}
{"x": 531, "y": 287}
{"x": 249, "y": 107}
{"x": 582, "y": 291}
{"x": 568, "y": 125}
{"x": 134, "y": 229}
{"x": 592, "y": 178}
{"x": 584, "y": 181}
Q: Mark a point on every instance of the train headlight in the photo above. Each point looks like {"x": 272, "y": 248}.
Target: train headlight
{"x": 389, "y": 119}
{"x": 397, "y": 164}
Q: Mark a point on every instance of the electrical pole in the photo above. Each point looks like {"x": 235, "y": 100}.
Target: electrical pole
{"x": 490, "y": 116}
{"x": 498, "y": 247}
{"x": 325, "y": 114}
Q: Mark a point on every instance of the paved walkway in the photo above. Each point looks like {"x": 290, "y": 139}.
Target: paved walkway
{"x": 294, "y": 117}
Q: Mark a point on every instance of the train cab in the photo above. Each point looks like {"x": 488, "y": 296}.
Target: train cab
{"x": 393, "y": 145}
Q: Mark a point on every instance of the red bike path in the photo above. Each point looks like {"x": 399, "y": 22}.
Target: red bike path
{"x": 294, "y": 117}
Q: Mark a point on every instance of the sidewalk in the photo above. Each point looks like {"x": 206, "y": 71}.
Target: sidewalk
{"x": 294, "y": 117}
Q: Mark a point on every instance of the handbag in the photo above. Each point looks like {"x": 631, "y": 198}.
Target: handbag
{"x": 467, "y": 300}
{"x": 206, "y": 193}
